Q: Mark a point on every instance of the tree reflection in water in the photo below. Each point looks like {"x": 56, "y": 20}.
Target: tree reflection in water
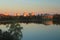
{"x": 14, "y": 32}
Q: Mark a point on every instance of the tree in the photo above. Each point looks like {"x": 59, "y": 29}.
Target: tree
{"x": 15, "y": 30}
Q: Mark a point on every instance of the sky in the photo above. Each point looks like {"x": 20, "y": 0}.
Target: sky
{"x": 40, "y": 6}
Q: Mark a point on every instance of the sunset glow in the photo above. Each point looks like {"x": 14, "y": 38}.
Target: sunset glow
{"x": 33, "y": 14}
{"x": 40, "y": 6}
{"x": 6, "y": 14}
{"x": 26, "y": 14}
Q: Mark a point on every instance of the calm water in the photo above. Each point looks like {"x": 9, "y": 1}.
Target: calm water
{"x": 39, "y": 31}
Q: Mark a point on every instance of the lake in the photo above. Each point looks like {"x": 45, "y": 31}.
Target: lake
{"x": 38, "y": 31}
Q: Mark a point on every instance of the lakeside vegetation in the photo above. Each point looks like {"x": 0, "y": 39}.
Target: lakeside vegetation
{"x": 40, "y": 18}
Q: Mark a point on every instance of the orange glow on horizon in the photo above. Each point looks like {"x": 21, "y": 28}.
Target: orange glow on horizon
{"x": 15, "y": 14}
{"x": 18, "y": 14}
{"x": 26, "y": 14}
{"x": 6, "y": 14}
{"x": 33, "y": 14}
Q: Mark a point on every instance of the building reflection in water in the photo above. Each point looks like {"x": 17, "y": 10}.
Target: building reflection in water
{"x": 14, "y": 32}
{"x": 48, "y": 22}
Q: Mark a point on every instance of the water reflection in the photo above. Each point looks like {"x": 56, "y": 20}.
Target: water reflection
{"x": 14, "y": 32}
{"x": 48, "y": 22}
